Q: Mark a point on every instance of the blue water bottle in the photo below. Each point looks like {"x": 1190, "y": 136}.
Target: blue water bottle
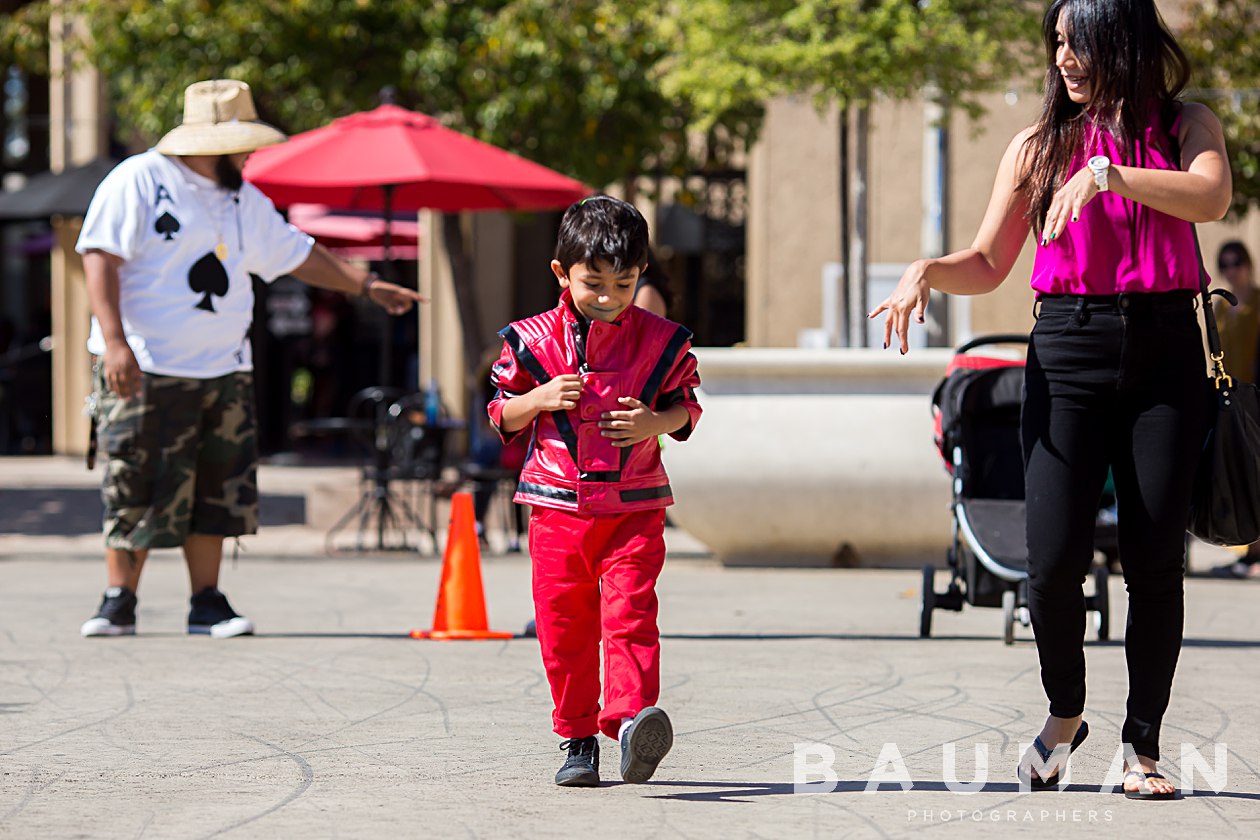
{"x": 432, "y": 404}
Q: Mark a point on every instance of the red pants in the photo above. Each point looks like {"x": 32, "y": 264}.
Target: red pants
{"x": 595, "y": 579}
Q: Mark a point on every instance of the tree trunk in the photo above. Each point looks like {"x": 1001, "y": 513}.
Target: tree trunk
{"x": 846, "y": 232}
{"x": 858, "y": 259}
{"x": 934, "y": 234}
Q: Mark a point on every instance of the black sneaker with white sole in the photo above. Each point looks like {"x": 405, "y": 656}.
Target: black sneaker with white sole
{"x": 581, "y": 767}
{"x": 644, "y": 743}
{"x": 116, "y": 616}
{"x": 212, "y": 615}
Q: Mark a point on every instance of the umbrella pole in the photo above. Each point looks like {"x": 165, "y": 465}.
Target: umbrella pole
{"x": 384, "y": 498}
{"x": 387, "y": 330}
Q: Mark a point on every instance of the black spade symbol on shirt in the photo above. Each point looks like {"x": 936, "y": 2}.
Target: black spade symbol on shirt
{"x": 167, "y": 225}
{"x": 207, "y": 277}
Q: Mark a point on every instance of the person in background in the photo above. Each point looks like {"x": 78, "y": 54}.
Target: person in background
{"x": 653, "y": 291}
{"x": 1240, "y": 332}
{"x": 169, "y": 242}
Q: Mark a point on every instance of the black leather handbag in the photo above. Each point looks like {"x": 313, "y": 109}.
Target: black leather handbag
{"x": 1225, "y": 506}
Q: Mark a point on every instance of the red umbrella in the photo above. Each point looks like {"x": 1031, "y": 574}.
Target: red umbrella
{"x": 389, "y": 159}
{"x": 357, "y": 236}
{"x": 392, "y": 158}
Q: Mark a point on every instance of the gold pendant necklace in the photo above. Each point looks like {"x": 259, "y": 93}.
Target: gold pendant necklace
{"x": 220, "y": 250}
{"x": 213, "y": 209}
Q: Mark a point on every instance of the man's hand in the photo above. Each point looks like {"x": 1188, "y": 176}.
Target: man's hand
{"x": 122, "y": 372}
{"x": 323, "y": 270}
{"x": 394, "y": 299}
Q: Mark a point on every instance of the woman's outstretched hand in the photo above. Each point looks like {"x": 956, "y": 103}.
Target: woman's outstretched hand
{"x": 1067, "y": 203}
{"x": 910, "y": 298}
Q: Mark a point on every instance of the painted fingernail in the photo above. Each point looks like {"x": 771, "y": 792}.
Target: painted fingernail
{"x": 1074, "y": 218}
{"x": 885, "y": 345}
{"x": 903, "y": 351}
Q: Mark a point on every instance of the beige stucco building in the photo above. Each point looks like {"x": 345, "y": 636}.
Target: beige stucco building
{"x": 790, "y": 225}
{"x": 794, "y": 222}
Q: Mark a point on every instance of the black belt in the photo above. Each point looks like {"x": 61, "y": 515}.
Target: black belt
{"x": 1175, "y": 299}
{"x": 1178, "y": 300}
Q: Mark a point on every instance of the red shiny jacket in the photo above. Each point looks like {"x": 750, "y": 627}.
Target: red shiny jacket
{"x": 571, "y": 465}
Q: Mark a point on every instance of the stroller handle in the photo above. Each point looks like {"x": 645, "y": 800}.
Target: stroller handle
{"x": 1001, "y": 338}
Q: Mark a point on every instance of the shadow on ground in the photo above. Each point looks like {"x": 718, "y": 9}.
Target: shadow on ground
{"x": 67, "y": 511}
{"x": 743, "y": 791}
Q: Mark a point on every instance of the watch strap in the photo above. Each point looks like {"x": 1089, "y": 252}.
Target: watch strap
{"x": 1100, "y": 175}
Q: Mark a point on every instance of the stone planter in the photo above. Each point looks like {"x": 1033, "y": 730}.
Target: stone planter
{"x": 817, "y": 457}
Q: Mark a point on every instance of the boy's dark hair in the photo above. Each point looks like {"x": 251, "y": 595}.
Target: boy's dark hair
{"x": 602, "y": 230}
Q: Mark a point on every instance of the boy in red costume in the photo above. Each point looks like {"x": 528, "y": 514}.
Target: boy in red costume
{"x": 595, "y": 381}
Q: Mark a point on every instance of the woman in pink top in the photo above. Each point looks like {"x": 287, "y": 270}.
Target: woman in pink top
{"x": 1109, "y": 179}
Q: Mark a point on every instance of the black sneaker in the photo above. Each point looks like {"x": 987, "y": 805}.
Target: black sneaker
{"x": 116, "y": 616}
{"x": 581, "y": 768}
{"x": 644, "y": 743}
{"x": 212, "y": 615}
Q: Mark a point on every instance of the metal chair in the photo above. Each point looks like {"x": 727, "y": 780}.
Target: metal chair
{"x": 499, "y": 485}
{"x": 419, "y": 453}
{"x": 376, "y": 428}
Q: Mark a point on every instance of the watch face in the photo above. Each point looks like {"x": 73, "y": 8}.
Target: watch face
{"x": 1099, "y": 162}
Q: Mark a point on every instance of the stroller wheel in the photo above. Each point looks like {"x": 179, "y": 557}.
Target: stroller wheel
{"x": 929, "y": 602}
{"x": 1102, "y": 603}
{"x": 1008, "y": 617}
{"x": 1022, "y": 615}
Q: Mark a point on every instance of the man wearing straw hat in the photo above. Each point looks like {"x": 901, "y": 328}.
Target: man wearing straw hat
{"x": 169, "y": 243}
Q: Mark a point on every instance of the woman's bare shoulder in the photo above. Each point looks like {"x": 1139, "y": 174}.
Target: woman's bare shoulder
{"x": 1024, "y": 134}
{"x": 1018, "y": 147}
{"x": 1196, "y": 114}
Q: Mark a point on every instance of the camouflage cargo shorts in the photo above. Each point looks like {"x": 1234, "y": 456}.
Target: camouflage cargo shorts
{"x": 182, "y": 460}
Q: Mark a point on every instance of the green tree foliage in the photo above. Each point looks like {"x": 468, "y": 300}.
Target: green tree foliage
{"x": 1224, "y": 48}
{"x": 600, "y": 89}
{"x": 571, "y": 85}
{"x": 733, "y": 54}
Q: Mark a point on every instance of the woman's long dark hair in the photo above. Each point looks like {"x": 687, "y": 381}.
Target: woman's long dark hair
{"x": 1134, "y": 65}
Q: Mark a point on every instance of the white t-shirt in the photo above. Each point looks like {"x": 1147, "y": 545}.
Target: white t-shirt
{"x": 186, "y": 312}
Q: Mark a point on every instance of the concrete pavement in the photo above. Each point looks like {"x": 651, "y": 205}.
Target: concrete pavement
{"x": 331, "y": 723}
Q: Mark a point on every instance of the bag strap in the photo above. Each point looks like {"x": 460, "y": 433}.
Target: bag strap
{"x": 1209, "y": 315}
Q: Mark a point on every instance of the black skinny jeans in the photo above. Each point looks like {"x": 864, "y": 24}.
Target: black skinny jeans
{"x": 1112, "y": 381}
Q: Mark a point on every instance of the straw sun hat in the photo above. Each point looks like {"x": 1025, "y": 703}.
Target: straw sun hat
{"x": 219, "y": 119}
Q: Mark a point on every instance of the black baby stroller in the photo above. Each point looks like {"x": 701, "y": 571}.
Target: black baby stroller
{"x": 976, "y": 408}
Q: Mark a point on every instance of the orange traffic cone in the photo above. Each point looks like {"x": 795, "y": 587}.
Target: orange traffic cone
{"x": 461, "y": 600}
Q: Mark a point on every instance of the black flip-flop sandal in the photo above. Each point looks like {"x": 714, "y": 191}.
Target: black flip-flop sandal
{"x": 1037, "y": 783}
{"x": 1145, "y": 792}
